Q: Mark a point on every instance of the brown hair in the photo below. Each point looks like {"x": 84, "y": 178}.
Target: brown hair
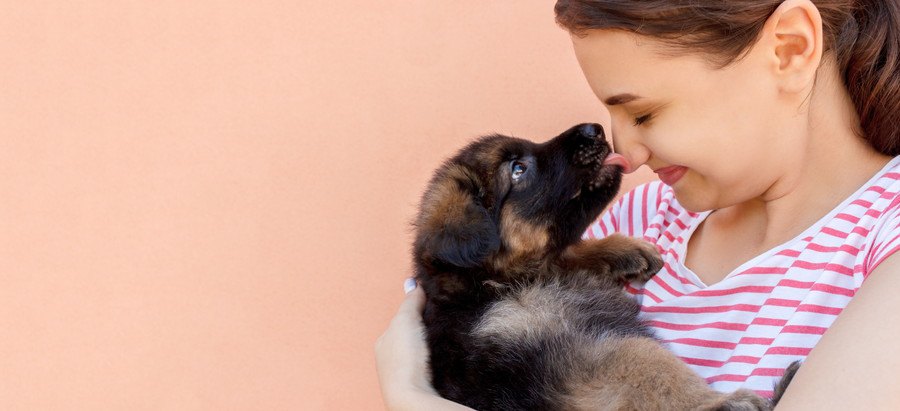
{"x": 864, "y": 36}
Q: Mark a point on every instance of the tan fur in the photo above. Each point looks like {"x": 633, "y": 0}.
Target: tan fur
{"x": 614, "y": 253}
{"x": 451, "y": 284}
{"x": 446, "y": 202}
{"x": 521, "y": 240}
{"x": 622, "y": 373}
{"x": 637, "y": 373}
{"x": 528, "y": 314}
{"x": 491, "y": 154}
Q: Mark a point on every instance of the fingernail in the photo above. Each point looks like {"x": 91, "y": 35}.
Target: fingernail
{"x": 409, "y": 285}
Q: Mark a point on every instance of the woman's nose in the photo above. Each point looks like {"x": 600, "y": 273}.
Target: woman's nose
{"x": 629, "y": 146}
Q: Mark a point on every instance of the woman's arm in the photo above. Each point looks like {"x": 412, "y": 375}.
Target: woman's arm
{"x": 401, "y": 357}
{"x": 856, "y": 364}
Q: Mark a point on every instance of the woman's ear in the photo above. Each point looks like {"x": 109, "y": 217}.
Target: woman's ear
{"x": 793, "y": 43}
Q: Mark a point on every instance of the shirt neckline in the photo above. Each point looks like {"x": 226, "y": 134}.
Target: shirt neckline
{"x": 814, "y": 228}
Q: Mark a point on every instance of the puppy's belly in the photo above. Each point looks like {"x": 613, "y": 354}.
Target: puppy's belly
{"x": 581, "y": 349}
{"x": 530, "y": 313}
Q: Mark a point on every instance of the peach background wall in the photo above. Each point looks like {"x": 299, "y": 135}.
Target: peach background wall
{"x": 205, "y": 205}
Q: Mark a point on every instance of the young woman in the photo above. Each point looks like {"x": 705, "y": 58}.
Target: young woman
{"x": 773, "y": 127}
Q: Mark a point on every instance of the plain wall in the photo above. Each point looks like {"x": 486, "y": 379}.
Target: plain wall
{"x": 206, "y": 205}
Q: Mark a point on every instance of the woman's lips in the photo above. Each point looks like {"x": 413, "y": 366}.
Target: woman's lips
{"x": 670, "y": 175}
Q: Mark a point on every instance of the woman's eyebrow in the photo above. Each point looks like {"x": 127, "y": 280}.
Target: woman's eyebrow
{"x": 620, "y": 99}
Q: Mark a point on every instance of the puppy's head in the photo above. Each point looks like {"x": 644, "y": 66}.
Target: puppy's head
{"x": 503, "y": 199}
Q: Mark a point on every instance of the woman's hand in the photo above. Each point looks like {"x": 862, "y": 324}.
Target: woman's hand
{"x": 401, "y": 353}
{"x": 401, "y": 358}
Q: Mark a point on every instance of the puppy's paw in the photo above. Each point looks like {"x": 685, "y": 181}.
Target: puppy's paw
{"x": 643, "y": 262}
{"x": 785, "y": 381}
{"x": 740, "y": 400}
{"x": 632, "y": 259}
{"x": 620, "y": 257}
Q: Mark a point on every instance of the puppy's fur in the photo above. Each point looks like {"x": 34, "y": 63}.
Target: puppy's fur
{"x": 523, "y": 314}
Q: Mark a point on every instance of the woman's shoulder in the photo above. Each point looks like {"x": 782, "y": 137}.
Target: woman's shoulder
{"x": 872, "y": 217}
{"x": 887, "y": 179}
{"x": 865, "y": 227}
{"x": 875, "y": 202}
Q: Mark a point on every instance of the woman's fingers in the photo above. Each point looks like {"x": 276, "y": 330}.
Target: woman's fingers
{"x": 401, "y": 353}
{"x": 402, "y": 345}
{"x": 414, "y": 302}
{"x": 409, "y": 285}
{"x": 409, "y": 315}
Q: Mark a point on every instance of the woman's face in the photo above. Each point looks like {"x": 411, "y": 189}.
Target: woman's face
{"x": 717, "y": 136}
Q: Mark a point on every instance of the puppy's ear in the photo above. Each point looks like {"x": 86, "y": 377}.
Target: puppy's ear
{"x": 453, "y": 225}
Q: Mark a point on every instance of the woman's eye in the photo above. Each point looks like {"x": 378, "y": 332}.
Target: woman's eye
{"x": 517, "y": 170}
{"x": 642, "y": 119}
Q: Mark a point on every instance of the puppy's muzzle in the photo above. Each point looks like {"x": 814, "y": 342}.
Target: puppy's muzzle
{"x": 591, "y": 146}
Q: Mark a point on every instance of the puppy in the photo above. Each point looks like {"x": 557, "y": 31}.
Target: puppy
{"x": 523, "y": 314}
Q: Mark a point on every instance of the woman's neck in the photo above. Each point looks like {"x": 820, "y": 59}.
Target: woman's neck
{"x": 835, "y": 162}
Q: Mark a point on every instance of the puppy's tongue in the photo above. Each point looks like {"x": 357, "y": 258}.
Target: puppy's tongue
{"x": 617, "y": 159}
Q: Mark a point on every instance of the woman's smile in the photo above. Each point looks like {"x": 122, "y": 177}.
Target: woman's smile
{"x": 670, "y": 175}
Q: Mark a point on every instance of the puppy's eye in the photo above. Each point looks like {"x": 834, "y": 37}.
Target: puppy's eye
{"x": 518, "y": 168}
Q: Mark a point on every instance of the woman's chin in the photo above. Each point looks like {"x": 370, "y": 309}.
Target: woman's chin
{"x": 693, "y": 200}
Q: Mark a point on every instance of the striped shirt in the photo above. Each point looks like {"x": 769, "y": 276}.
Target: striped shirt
{"x": 743, "y": 331}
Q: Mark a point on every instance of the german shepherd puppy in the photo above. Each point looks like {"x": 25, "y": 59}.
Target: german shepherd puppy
{"x": 522, "y": 313}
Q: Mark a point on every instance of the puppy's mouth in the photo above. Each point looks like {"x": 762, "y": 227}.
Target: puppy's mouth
{"x": 603, "y": 168}
{"x": 614, "y": 159}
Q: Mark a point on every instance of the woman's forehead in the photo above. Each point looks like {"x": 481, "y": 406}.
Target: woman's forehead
{"x": 617, "y": 62}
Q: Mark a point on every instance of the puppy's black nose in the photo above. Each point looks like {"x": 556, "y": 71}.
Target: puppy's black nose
{"x": 591, "y": 130}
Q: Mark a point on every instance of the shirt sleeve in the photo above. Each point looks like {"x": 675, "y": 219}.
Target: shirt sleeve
{"x": 885, "y": 237}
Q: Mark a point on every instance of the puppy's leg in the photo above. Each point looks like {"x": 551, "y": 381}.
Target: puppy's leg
{"x": 785, "y": 381}
{"x": 637, "y": 373}
{"x": 620, "y": 257}
{"x": 740, "y": 400}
